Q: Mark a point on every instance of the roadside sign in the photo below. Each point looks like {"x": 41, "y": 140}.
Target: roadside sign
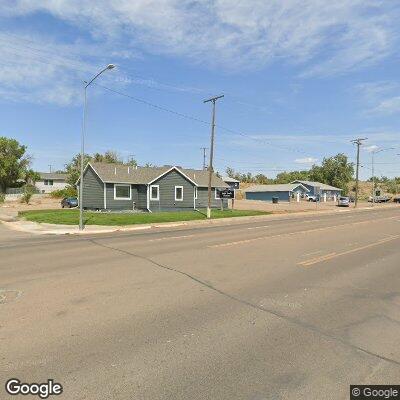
{"x": 226, "y": 193}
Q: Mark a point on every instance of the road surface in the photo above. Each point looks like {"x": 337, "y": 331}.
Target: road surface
{"x": 276, "y": 309}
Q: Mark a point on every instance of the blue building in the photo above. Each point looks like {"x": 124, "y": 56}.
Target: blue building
{"x": 320, "y": 189}
{"x": 284, "y": 192}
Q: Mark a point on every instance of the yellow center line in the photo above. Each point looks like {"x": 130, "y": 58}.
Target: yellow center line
{"x": 327, "y": 257}
{"x": 245, "y": 241}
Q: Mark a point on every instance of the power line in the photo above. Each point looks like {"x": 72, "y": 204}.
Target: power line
{"x": 199, "y": 120}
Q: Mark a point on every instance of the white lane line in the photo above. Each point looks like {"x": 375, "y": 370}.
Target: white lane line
{"x": 170, "y": 237}
{"x": 258, "y": 227}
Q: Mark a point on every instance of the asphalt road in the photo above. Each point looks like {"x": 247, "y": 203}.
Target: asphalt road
{"x": 276, "y": 309}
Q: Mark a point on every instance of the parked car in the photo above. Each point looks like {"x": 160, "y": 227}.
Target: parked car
{"x": 311, "y": 197}
{"x": 69, "y": 202}
{"x": 396, "y": 199}
{"x": 344, "y": 201}
{"x": 379, "y": 199}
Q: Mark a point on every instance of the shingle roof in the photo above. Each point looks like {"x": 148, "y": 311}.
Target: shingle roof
{"x": 287, "y": 187}
{"x": 322, "y": 186}
{"x": 118, "y": 173}
{"x": 52, "y": 175}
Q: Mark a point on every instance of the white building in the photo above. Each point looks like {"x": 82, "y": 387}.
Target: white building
{"x": 50, "y": 181}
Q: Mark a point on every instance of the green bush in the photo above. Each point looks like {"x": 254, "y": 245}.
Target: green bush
{"x": 29, "y": 190}
{"x": 26, "y": 197}
{"x": 2, "y": 197}
{"x": 69, "y": 191}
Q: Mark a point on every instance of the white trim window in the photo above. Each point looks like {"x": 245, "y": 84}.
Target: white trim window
{"x": 122, "y": 192}
{"x": 216, "y": 194}
{"x": 155, "y": 192}
{"x": 178, "y": 193}
{"x": 195, "y": 192}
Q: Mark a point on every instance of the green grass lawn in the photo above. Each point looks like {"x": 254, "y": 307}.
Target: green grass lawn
{"x": 71, "y": 217}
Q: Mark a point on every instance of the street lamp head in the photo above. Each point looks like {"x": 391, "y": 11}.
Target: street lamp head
{"x": 110, "y": 66}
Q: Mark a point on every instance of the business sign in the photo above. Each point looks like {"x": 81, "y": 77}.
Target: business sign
{"x": 226, "y": 193}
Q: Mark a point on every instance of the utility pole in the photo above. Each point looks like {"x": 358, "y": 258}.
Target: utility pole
{"x": 210, "y": 165}
{"x": 50, "y": 168}
{"x": 204, "y": 156}
{"x": 358, "y": 142}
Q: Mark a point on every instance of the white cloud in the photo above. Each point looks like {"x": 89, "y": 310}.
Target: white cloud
{"x": 388, "y": 106}
{"x": 371, "y": 148}
{"x": 320, "y": 37}
{"x": 306, "y": 160}
{"x": 324, "y": 36}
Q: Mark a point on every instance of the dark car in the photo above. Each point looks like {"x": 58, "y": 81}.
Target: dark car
{"x": 69, "y": 202}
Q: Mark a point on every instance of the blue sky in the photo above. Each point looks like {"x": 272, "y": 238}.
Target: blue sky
{"x": 300, "y": 78}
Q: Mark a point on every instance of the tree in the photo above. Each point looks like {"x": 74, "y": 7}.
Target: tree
{"x": 288, "y": 177}
{"x": 261, "y": 179}
{"x": 73, "y": 169}
{"x": 335, "y": 171}
{"x": 31, "y": 177}
{"x": 14, "y": 162}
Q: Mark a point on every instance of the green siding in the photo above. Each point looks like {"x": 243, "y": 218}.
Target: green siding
{"x": 93, "y": 190}
{"x": 202, "y": 199}
{"x": 167, "y": 185}
{"x": 113, "y": 204}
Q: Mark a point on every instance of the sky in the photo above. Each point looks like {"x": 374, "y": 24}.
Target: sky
{"x": 301, "y": 79}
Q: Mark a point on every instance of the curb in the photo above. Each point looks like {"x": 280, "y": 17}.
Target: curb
{"x": 48, "y": 229}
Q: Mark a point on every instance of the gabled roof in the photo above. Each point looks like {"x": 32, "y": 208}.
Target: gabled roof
{"x": 322, "y": 186}
{"x": 119, "y": 173}
{"x": 286, "y": 187}
{"x": 52, "y": 175}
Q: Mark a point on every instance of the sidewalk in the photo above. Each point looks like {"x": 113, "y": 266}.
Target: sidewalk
{"x": 9, "y": 219}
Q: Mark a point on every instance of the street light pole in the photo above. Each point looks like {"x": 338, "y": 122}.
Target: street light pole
{"x": 210, "y": 166}
{"x": 87, "y": 84}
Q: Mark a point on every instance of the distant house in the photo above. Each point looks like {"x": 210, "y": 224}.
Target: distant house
{"x": 284, "y": 192}
{"x": 121, "y": 187}
{"x": 51, "y": 181}
{"x": 318, "y": 188}
{"x": 232, "y": 183}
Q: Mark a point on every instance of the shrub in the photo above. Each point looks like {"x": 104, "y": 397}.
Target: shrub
{"x": 69, "y": 191}
{"x": 29, "y": 190}
{"x": 2, "y": 197}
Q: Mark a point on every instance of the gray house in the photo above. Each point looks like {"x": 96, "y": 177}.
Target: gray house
{"x": 321, "y": 189}
{"x": 284, "y": 192}
{"x": 121, "y": 187}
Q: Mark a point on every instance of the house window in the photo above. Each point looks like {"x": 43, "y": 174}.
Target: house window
{"x": 178, "y": 193}
{"x": 154, "y": 192}
{"x": 195, "y": 192}
{"x": 216, "y": 195}
{"x": 122, "y": 192}
{"x": 48, "y": 182}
